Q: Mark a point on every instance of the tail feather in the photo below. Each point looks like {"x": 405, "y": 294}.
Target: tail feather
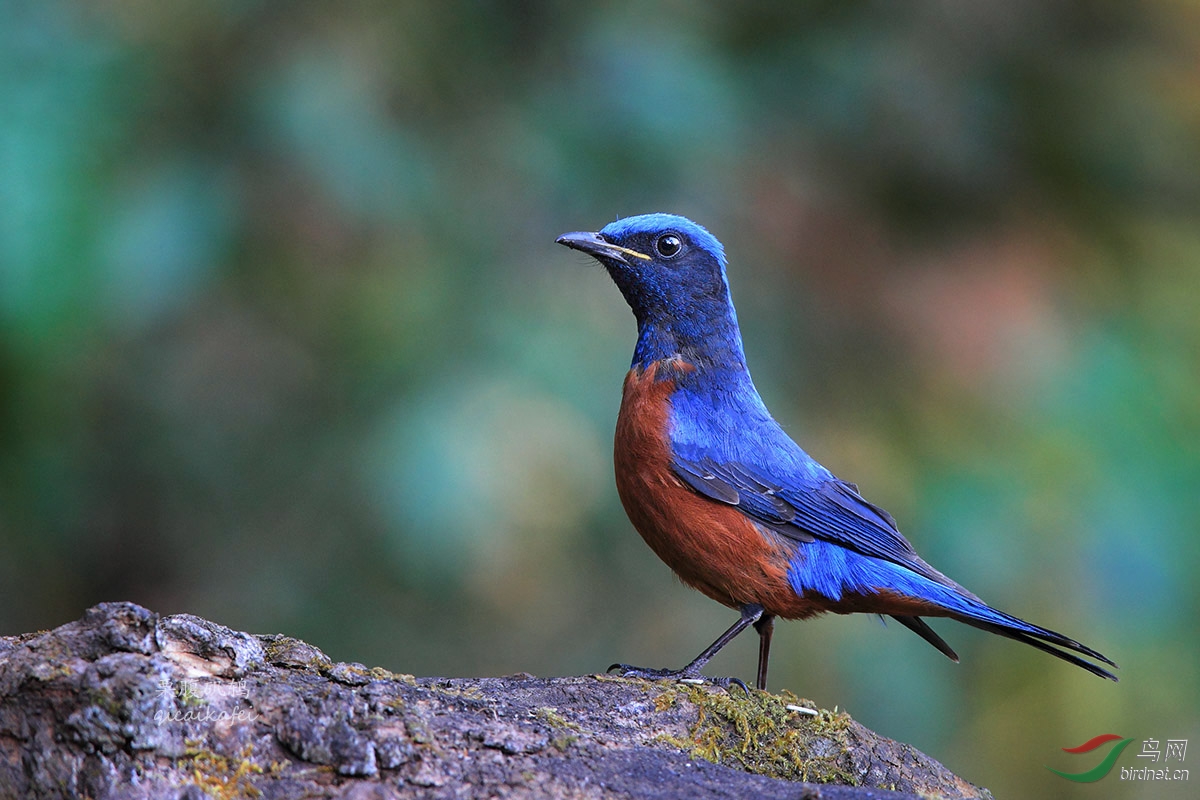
{"x": 965, "y": 607}
{"x": 838, "y": 571}
{"x": 918, "y": 626}
{"x": 1036, "y": 640}
{"x": 977, "y": 614}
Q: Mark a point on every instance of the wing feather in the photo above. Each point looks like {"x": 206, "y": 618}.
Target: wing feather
{"x": 831, "y": 510}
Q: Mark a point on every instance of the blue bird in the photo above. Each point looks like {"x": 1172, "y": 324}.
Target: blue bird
{"x": 725, "y": 497}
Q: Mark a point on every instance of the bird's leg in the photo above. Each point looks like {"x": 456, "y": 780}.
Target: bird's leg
{"x": 765, "y": 627}
{"x": 751, "y": 614}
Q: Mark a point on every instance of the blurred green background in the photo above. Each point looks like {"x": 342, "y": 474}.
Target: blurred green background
{"x": 286, "y": 342}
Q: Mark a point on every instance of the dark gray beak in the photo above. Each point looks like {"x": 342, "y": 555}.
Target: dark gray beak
{"x": 594, "y": 245}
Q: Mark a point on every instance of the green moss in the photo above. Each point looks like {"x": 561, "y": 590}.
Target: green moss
{"x": 294, "y": 653}
{"x": 666, "y": 700}
{"x": 554, "y": 719}
{"x": 760, "y": 734}
{"x": 224, "y": 778}
{"x": 381, "y": 674}
{"x": 369, "y": 673}
{"x": 187, "y": 695}
{"x": 564, "y": 741}
{"x": 52, "y": 670}
{"x": 417, "y": 731}
{"x": 105, "y": 700}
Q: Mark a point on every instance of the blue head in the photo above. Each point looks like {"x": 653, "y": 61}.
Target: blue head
{"x": 672, "y": 273}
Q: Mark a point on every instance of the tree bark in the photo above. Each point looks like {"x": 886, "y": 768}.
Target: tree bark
{"x": 125, "y": 703}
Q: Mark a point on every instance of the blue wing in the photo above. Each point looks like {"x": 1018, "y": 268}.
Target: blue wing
{"x": 830, "y": 509}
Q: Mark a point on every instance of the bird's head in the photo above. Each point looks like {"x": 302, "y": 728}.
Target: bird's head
{"x": 672, "y": 273}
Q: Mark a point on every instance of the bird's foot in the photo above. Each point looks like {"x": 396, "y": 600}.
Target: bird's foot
{"x": 680, "y": 675}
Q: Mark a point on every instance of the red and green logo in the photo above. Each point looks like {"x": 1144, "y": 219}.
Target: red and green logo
{"x": 1104, "y": 767}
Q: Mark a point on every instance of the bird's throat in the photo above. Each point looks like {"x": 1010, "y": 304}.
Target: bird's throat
{"x": 715, "y": 347}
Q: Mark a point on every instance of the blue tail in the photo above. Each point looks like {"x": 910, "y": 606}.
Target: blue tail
{"x": 834, "y": 571}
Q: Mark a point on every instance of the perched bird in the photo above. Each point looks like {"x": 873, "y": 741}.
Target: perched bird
{"x": 725, "y": 497}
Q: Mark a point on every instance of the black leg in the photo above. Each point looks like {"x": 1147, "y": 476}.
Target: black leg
{"x": 765, "y": 627}
{"x": 751, "y": 614}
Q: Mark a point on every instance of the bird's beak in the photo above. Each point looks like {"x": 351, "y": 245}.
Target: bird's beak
{"x": 594, "y": 245}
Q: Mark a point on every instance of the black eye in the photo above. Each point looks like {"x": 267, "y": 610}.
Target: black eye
{"x": 668, "y": 245}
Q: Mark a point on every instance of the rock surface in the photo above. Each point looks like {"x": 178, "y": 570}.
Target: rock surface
{"x": 125, "y": 703}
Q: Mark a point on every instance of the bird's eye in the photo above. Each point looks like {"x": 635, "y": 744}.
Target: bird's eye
{"x": 668, "y": 245}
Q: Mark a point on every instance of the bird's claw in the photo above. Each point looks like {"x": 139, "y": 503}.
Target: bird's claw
{"x": 628, "y": 671}
{"x": 680, "y": 675}
{"x": 728, "y": 683}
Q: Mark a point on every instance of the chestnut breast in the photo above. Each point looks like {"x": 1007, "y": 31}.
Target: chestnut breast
{"x": 711, "y": 546}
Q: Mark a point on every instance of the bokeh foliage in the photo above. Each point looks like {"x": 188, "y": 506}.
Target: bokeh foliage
{"x": 285, "y": 340}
